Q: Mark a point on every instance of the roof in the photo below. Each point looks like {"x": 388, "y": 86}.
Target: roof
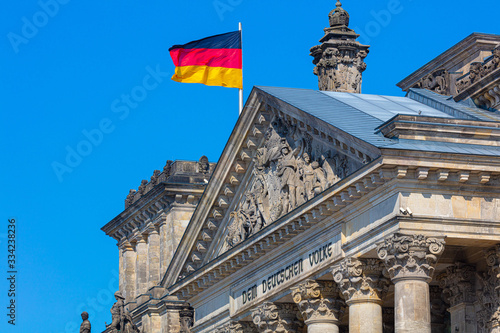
{"x": 360, "y": 114}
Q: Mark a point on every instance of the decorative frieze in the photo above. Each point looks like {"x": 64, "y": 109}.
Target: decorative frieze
{"x": 361, "y": 279}
{"x": 276, "y": 317}
{"x": 290, "y": 168}
{"x": 479, "y": 70}
{"x": 410, "y": 256}
{"x": 318, "y": 300}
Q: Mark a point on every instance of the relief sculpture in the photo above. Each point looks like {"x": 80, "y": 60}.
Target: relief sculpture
{"x": 289, "y": 169}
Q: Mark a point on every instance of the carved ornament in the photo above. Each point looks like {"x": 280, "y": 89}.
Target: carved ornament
{"x": 438, "y": 81}
{"x": 318, "y": 300}
{"x": 290, "y": 168}
{"x": 280, "y": 317}
{"x": 479, "y": 70}
{"x": 361, "y": 279}
{"x": 410, "y": 256}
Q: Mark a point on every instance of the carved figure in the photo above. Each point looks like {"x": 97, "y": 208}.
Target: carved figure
{"x": 320, "y": 182}
{"x": 130, "y": 198}
{"x": 142, "y": 187}
{"x": 307, "y": 173}
{"x": 121, "y": 320}
{"x": 85, "y": 327}
{"x": 167, "y": 168}
{"x": 287, "y": 168}
{"x": 203, "y": 165}
{"x": 155, "y": 177}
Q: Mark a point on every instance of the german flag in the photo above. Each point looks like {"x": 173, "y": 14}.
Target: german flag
{"x": 213, "y": 61}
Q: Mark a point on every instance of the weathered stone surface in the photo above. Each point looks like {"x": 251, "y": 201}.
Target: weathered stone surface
{"x": 340, "y": 58}
{"x": 281, "y": 317}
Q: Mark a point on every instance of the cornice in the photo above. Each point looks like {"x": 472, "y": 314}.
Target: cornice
{"x": 150, "y": 207}
{"x": 453, "y": 56}
{"x": 332, "y": 201}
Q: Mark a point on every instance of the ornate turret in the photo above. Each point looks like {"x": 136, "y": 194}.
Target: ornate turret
{"x": 340, "y": 58}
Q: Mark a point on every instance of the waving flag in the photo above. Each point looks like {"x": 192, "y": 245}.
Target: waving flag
{"x": 213, "y": 61}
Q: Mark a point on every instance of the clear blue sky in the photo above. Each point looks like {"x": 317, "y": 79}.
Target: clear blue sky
{"x": 68, "y": 75}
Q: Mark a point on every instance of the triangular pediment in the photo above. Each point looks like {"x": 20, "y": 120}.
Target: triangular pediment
{"x": 276, "y": 160}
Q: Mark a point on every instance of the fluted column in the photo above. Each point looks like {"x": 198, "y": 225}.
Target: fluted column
{"x": 141, "y": 249}
{"x": 410, "y": 261}
{"x": 363, "y": 287}
{"x": 164, "y": 260}
{"x": 276, "y": 317}
{"x": 459, "y": 289}
{"x": 129, "y": 271}
{"x": 153, "y": 257}
{"x": 319, "y": 303}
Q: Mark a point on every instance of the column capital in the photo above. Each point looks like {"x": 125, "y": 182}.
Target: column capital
{"x": 410, "y": 256}
{"x": 458, "y": 284}
{"x": 318, "y": 301}
{"x": 125, "y": 245}
{"x": 276, "y": 317}
{"x": 361, "y": 280}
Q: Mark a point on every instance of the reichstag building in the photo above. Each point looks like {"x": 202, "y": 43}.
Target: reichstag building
{"x": 329, "y": 210}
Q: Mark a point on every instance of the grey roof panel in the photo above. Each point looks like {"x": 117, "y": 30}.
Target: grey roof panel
{"x": 359, "y": 115}
{"x": 448, "y": 105}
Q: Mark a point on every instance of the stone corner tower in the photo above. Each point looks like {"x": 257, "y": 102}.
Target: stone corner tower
{"x": 340, "y": 58}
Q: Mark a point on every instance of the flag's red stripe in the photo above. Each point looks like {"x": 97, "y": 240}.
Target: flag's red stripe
{"x": 228, "y": 58}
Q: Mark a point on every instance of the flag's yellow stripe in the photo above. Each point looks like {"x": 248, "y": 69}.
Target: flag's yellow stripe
{"x": 210, "y": 76}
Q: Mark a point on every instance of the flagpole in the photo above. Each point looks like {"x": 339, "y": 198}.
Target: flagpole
{"x": 241, "y": 90}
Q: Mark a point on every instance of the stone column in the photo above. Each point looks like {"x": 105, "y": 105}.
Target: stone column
{"x": 164, "y": 262}
{"x": 186, "y": 318}
{"x": 319, "y": 303}
{"x": 459, "y": 289}
{"x": 141, "y": 249}
{"x": 129, "y": 272}
{"x": 276, "y": 317}
{"x": 363, "y": 287}
{"x": 121, "y": 266}
{"x": 410, "y": 261}
{"x": 153, "y": 257}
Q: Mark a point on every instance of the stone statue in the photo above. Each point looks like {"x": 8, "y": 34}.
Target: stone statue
{"x": 203, "y": 165}
{"x": 130, "y": 198}
{"x": 85, "y": 326}
{"x": 117, "y": 313}
{"x": 167, "y": 168}
{"x": 121, "y": 320}
{"x": 155, "y": 177}
{"x": 142, "y": 187}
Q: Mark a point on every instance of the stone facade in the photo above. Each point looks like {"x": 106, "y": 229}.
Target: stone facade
{"x": 319, "y": 220}
{"x": 469, "y": 70}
